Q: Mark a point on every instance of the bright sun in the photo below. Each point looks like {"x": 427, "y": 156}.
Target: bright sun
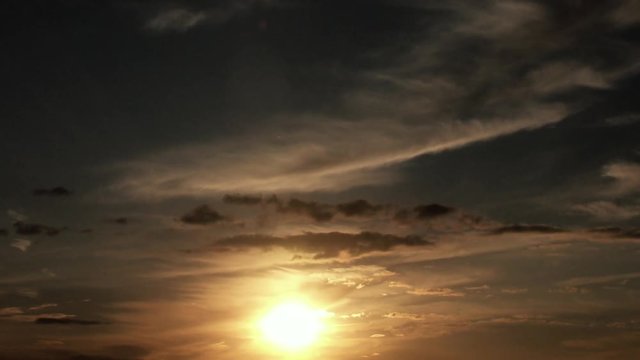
{"x": 293, "y": 325}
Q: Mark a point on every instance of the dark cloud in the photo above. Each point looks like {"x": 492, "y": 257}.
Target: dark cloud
{"x": 241, "y": 199}
{"x": 358, "y": 208}
{"x": 426, "y": 213}
{"x": 202, "y": 215}
{"x": 121, "y": 220}
{"x": 56, "y": 191}
{"x": 323, "y": 245}
{"x": 66, "y": 321}
{"x": 522, "y": 228}
{"x": 316, "y": 211}
{"x": 23, "y": 228}
{"x": 4, "y": 232}
{"x": 618, "y": 232}
{"x": 432, "y": 211}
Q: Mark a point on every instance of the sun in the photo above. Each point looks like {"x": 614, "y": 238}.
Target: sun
{"x": 293, "y": 326}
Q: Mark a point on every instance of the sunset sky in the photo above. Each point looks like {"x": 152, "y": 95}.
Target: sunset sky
{"x": 415, "y": 179}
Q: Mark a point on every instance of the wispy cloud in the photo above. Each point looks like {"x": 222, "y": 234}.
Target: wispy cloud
{"x": 626, "y": 13}
{"x": 608, "y": 210}
{"x": 180, "y": 18}
{"x": 175, "y": 20}
{"x": 427, "y": 100}
{"x": 626, "y": 176}
{"x": 592, "y": 280}
{"x": 21, "y": 244}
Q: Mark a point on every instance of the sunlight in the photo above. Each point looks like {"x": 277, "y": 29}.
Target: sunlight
{"x": 293, "y": 326}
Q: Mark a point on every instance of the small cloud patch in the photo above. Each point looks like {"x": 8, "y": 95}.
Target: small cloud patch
{"x": 21, "y": 244}
{"x": 58, "y": 191}
{"x": 23, "y": 228}
{"x": 523, "y": 228}
{"x": 66, "y": 321}
{"x": 202, "y": 215}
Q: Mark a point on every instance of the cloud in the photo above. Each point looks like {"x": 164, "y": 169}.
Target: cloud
{"x": 42, "y": 306}
{"x": 120, "y": 220}
{"x": 316, "y": 211}
{"x": 202, "y": 215}
{"x": 595, "y": 280}
{"x": 431, "y": 97}
{"x": 65, "y": 321}
{"x": 21, "y": 244}
{"x": 421, "y": 212}
{"x": 623, "y": 120}
{"x": 179, "y": 20}
{"x": 10, "y": 311}
{"x": 626, "y": 177}
{"x": 500, "y": 18}
{"x": 28, "y": 292}
{"x": 182, "y": 19}
{"x": 439, "y": 291}
{"x": 358, "y": 208}
{"x": 4, "y": 232}
{"x": 241, "y": 199}
{"x": 607, "y": 210}
{"x": 57, "y": 191}
{"x": 312, "y": 158}
{"x": 441, "y": 217}
{"x": 323, "y": 245}
{"x": 404, "y": 316}
{"x": 425, "y": 212}
{"x": 445, "y": 292}
{"x": 514, "y": 291}
{"x": 23, "y": 228}
{"x": 357, "y": 276}
{"x": 618, "y": 232}
{"x": 561, "y": 76}
{"x": 626, "y": 13}
{"x": 16, "y": 216}
{"x": 523, "y": 228}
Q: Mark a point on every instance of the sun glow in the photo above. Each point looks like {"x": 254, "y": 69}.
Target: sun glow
{"x": 293, "y": 326}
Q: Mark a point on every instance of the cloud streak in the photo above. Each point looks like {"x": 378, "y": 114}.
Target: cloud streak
{"x": 323, "y": 245}
{"x": 65, "y": 321}
{"x": 426, "y": 101}
{"x": 178, "y": 19}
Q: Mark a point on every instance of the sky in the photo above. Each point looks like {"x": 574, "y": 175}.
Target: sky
{"x": 442, "y": 179}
